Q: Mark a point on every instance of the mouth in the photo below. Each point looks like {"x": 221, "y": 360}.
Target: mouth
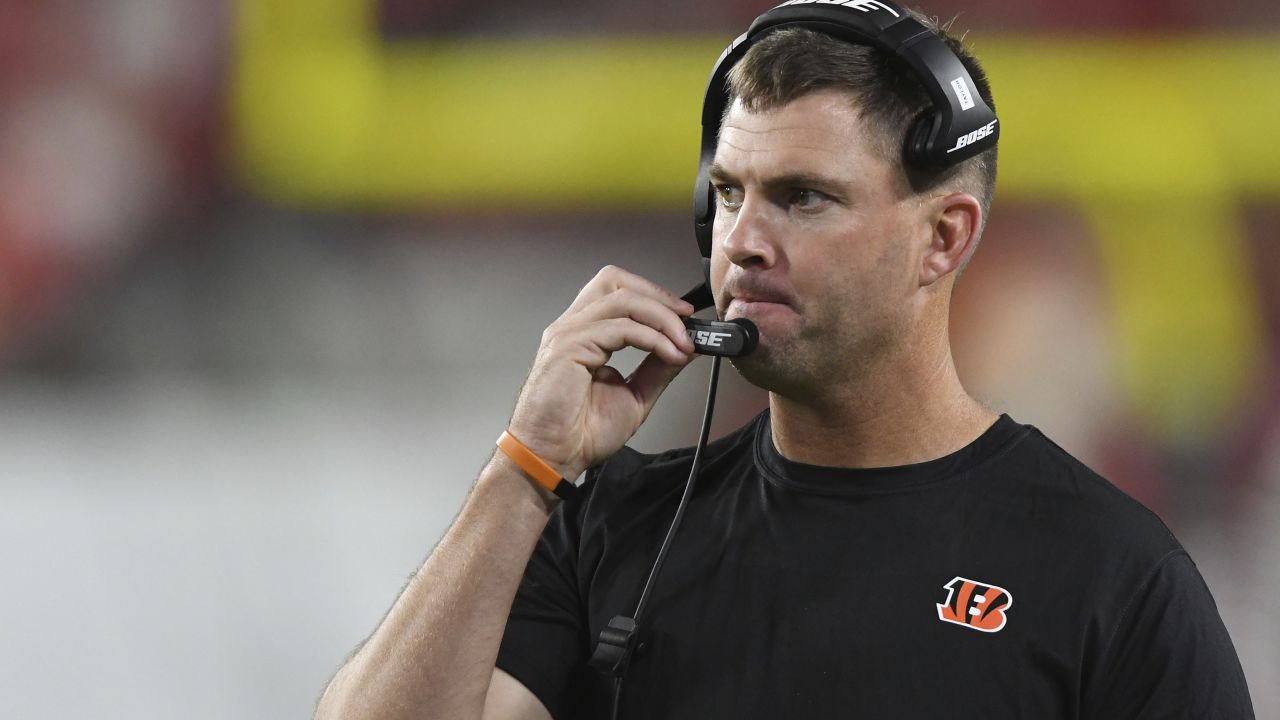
{"x": 752, "y": 295}
{"x": 743, "y": 305}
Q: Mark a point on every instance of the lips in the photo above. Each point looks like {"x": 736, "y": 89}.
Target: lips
{"x": 755, "y": 300}
{"x": 754, "y": 292}
{"x": 750, "y": 298}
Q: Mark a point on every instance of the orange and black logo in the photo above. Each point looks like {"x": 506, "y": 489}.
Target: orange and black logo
{"x": 975, "y": 605}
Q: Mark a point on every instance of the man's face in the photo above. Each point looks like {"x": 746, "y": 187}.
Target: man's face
{"x": 817, "y": 240}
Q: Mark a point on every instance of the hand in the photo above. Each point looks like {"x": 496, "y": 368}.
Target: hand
{"x": 574, "y": 410}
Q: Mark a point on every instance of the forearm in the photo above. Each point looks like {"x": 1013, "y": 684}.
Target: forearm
{"x": 433, "y": 656}
{"x": 434, "y": 653}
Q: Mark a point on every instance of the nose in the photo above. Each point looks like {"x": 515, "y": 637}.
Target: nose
{"x": 748, "y": 237}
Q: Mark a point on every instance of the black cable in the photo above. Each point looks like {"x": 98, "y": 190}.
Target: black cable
{"x": 617, "y": 696}
{"x": 688, "y": 491}
{"x": 675, "y": 521}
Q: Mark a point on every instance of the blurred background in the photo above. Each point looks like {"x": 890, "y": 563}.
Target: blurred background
{"x": 271, "y": 274}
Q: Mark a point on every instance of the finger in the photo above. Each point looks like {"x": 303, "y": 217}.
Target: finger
{"x": 608, "y": 375}
{"x": 651, "y": 378}
{"x": 600, "y": 339}
{"x": 612, "y": 278}
{"x": 643, "y": 309}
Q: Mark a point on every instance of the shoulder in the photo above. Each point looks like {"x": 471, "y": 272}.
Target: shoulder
{"x": 1076, "y": 508}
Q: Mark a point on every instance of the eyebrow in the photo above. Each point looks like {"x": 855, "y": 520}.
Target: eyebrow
{"x": 718, "y": 174}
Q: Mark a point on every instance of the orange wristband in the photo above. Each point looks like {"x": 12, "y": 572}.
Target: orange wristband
{"x": 535, "y": 467}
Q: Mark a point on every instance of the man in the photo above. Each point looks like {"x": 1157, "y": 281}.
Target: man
{"x": 854, "y": 551}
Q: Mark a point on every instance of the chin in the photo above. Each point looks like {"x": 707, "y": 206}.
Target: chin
{"x": 772, "y": 369}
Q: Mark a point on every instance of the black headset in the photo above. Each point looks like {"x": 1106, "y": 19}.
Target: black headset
{"x": 958, "y": 126}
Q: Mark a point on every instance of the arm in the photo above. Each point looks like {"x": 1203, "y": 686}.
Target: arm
{"x": 433, "y": 655}
{"x": 509, "y": 700}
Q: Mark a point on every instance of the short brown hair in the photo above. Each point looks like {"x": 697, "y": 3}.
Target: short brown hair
{"x": 791, "y": 62}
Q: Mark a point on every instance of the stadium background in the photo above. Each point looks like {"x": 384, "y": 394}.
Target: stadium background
{"x": 271, "y": 273}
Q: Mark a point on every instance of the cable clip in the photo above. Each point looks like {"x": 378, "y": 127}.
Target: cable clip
{"x": 617, "y": 643}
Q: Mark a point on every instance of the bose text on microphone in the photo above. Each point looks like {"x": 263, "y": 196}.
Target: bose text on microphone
{"x": 733, "y": 338}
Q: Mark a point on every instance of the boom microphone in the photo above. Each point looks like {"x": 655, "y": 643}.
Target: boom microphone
{"x": 732, "y": 338}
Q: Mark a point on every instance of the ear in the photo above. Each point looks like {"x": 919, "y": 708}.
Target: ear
{"x": 957, "y": 218}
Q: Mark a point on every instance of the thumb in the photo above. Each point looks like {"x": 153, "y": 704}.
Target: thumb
{"x": 652, "y": 377}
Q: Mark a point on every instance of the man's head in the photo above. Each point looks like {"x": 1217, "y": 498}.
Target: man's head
{"x": 817, "y": 210}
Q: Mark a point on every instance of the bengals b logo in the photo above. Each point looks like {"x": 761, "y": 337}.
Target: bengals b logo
{"x": 975, "y": 605}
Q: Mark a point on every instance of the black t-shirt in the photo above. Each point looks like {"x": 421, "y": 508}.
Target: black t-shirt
{"x": 1005, "y": 580}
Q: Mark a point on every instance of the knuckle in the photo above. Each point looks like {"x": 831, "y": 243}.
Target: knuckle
{"x": 555, "y": 338}
{"x": 630, "y": 329}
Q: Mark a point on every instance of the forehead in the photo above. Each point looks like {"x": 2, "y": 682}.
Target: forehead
{"x": 821, "y": 132}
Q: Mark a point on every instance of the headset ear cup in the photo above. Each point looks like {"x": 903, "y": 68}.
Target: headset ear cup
{"x": 916, "y": 152}
{"x": 704, "y": 206}
{"x": 704, "y": 212}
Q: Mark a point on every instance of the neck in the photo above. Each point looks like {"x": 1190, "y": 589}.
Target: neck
{"x": 907, "y": 408}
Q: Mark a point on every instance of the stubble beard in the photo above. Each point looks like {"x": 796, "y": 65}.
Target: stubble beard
{"x": 786, "y": 362}
{"x": 814, "y": 359}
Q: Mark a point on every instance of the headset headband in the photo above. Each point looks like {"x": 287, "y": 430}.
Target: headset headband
{"x": 958, "y": 126}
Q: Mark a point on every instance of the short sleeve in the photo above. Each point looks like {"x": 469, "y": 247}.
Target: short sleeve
{"x": 1170, "y": 655}
{"x": 545, "y": 641}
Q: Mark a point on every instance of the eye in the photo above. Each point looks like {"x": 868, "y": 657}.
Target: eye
{"x": 805, "y": 199}
{"x": 730, "y": 196}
